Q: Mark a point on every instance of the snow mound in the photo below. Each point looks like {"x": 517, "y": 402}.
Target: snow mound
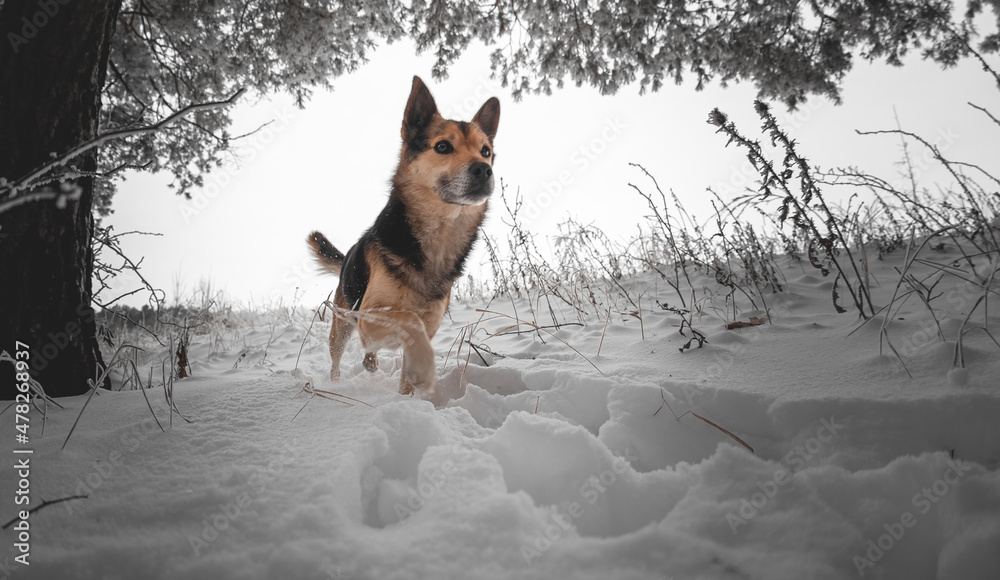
{"x": 537, "y": 462}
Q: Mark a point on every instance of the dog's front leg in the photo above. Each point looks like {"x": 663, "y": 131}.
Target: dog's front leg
{"x": 389, "y": 328}
{"x": 418, "y": 368}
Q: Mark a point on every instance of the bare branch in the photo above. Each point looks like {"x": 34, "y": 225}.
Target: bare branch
{"x": 44, "y": 504}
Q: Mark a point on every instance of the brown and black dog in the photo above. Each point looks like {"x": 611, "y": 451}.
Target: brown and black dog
{"x": 398, "y": 277}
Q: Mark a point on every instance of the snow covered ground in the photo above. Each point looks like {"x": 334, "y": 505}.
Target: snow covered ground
{"x": 544, "y": 466}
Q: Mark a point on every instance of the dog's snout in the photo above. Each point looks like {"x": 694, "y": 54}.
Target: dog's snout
{"x": 481, "y": 171}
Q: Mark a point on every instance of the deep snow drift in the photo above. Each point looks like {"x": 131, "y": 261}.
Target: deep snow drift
{"x": 543, "y": 466}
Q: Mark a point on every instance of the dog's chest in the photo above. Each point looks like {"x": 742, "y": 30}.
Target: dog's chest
{"x": 444, "y": 250}
{"x": 425, "y": 246}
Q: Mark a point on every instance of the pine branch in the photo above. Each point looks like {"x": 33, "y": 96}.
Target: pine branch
{"x": 27, "y": 181}
{"x": 61, "y": 198}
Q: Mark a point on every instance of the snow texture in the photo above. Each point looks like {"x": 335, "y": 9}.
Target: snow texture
{"x": 542, "y": 466}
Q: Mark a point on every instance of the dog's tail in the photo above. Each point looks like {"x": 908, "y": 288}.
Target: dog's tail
{"x": 330, "y": 259}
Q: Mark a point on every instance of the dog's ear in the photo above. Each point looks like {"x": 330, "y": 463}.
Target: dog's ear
{"x": 488, "y": 117}
{"x": 420, "y": 108}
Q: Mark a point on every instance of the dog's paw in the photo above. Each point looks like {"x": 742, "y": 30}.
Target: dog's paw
{"x": 426, "y": 392}
{"x": 370, "y": 362}
{"x": 335, "y": 374}
{"x": 415, "y": 384}
{"x": 418, "y": 369}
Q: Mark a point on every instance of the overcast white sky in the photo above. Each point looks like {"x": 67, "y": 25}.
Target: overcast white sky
{"x": 327, "y": 167}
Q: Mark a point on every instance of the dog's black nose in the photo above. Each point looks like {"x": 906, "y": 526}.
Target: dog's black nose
{"x": 481, "y": 171}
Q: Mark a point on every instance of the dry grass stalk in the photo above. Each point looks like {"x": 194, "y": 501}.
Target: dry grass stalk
{"x": 313, "y": 392}
{"x": 540, "y": 329}
{"x": 607, "y": 319}
{"x": 712, "y": 423}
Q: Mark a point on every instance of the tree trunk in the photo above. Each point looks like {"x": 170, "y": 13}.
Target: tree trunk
{"x": 53, "y": 56}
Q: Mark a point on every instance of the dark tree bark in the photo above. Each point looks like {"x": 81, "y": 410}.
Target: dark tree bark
{"x": 53, "y": 55}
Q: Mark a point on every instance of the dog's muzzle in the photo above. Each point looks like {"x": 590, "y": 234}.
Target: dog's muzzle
{"x": 480, "y": 181}
{"x": 481, "y": 173}
{"x": 472, "y": 187}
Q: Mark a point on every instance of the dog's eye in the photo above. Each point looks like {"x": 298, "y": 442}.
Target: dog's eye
{"x": 443, "y": 147}
{"x": 485, "y": 152}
